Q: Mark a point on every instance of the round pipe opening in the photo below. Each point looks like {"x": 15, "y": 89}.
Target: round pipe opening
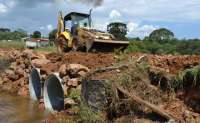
{"x": 34, "y": 84}
{"x": 53, "y": 93}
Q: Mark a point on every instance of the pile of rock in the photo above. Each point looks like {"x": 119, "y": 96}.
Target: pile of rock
{"x": 15, "y": 78}
{"x": 72, "y": 75}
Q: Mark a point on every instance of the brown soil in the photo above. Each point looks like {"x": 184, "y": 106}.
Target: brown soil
{"x": 90, "y": 60}
{"x": 174, "y": 64}
{"x": 170, "y": 64}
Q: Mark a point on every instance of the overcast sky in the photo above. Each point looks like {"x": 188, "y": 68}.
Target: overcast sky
{"x": 141, "y": 16}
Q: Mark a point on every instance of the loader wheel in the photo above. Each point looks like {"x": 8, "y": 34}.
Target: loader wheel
{"x": 62, "y": 45}
{"x": 75, "y": 44}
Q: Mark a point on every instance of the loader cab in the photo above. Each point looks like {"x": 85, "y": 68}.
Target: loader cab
{"x": 77, "y": 20}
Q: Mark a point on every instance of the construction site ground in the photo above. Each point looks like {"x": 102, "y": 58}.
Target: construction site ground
{"x": 15, "y": 80}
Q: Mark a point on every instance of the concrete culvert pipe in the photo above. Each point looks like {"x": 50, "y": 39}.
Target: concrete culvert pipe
{"x": 35, "y": 84}
{"x": 53, "y": 93}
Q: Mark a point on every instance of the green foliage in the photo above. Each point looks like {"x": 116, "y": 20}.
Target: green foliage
{"x": 162, "y": 34}
{"x": 136, "y": 72}
{"x": 152, "y": 47}
{"x": 118, "y": 29}
{"x": 52, "y": 35}
{"x": 36, "y": 34}
{"x": 75, "y": 94}
{"x": 125, "y": 80}
{"x": 134, "y": 39}
{"x": 168, "y": 47}
{"x": 63, "y": 119}
{"x": 4, "y": 30}
{"x": 136, "y": 46}
{"x": 186, "y": 79}
{"x": 6, "y": 34}
{"x": 86, "y": 115}
{"x": 189, "y": 47}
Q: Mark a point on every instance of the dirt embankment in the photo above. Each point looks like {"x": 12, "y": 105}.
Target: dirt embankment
{"x": 15, "y": 78}
{"x": 21, "y": 63}
{"x": 90, "y": 60}
{"x": 174, "y": 64}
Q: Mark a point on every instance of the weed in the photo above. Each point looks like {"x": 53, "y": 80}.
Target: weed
{"x": 75, "y": 94}
{"x": 186, "y": 78}
{"x": 125, "y": 80}
{"x": 87, "y": 115}
{"x": 63, "y": 119}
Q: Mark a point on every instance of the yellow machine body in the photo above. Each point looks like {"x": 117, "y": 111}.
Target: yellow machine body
{"x": 82, "y": 36}
{"x": 65, "y": 34}
{"x": 68, "y": 38}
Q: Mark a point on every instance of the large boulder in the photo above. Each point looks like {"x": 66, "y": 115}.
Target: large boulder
{"x": 1, "y": 81}
{"x": 94, "y": 93}
{"x": 75, "y": 69}
{"x": 63, "y": 70}
{"x": 73, "y": 82}
{"x": 19, "y": 71}
{"x": 40, "y": 62}
{"x": 13, "y": 66}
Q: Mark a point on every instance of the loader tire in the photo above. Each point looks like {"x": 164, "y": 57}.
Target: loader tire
{"x": 62, "y": 45}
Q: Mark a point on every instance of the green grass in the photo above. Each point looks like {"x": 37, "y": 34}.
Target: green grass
{"x": 166, "y": 47}
{"x": 75, "y": 94}
{"x": 189, "y": 77}
{"x": 14, "y": 44}
{"x": 47, "y": 49}
{"x": 20, "y": 45}
{"x": 86, "y": 115}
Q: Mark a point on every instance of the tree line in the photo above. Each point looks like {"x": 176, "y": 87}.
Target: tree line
{"x": 7, "y": 34}
{"x": 18, "y": 34}
{"x": 163, "y": 41}
{"x": 160, "y": 41}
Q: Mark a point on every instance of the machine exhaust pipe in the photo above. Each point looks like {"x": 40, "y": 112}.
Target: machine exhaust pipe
{"x": 53, "y": 93}
{"x": 35, "y": 84}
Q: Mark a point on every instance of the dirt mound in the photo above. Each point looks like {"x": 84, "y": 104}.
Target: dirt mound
{"x": 16, "y": 76}
{"x": 91, "y": 60}
{"x": 174, "y": 64}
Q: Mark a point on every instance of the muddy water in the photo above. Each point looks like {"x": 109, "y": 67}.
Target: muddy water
{"x": 19, "y": 110}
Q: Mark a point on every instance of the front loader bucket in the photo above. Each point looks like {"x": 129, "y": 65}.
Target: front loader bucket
{"x": 107, "y": 45}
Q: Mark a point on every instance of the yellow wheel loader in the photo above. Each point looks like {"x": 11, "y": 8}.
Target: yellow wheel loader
{"x": 81, "y": 36}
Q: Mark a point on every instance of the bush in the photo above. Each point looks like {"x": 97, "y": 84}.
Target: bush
{"x": 86, "y": 115}
{"x": 166, "y": 47}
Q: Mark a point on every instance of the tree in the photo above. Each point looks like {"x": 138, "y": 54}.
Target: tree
{"x": 118, "y": 29}
{"x": 4, "y": 30}
{"x": 146, "y": 38}
{"x": 162, "y": 34}
{"x": 135, "y": 39}
{"x": 19, "y": 33}
{"x": 52, "y": 35}
{"x": 6, "y": 34}
{"x": 36, "y": 34}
